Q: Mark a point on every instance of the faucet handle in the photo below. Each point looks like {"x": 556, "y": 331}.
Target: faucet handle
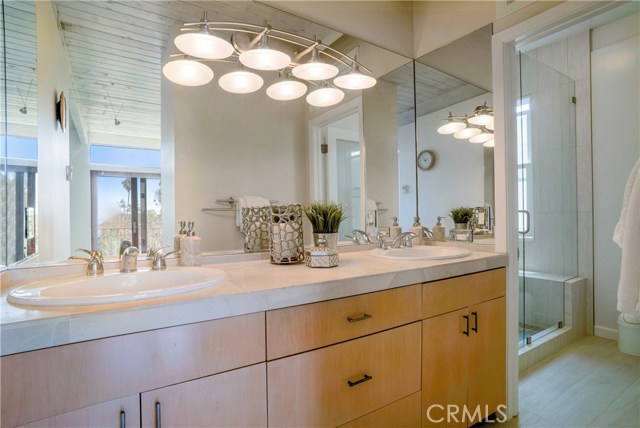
{"x": 159, "y": 262}
{"x": 94, "y": 261}
{"x": 153, "y": 251}
{"x": 382, "y": 242}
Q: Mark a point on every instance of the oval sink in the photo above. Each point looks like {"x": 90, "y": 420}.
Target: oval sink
{"x": 115, "y": 287}
{"x": 421, "y": 253}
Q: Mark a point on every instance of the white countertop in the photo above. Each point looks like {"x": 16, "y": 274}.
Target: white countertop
{"x": 250, "y": 286}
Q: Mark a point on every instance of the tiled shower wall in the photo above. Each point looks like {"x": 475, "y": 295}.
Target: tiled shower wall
{"x": 571, "y": 57}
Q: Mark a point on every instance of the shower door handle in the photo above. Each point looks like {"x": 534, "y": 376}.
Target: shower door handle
{"x": 527, "y": 218}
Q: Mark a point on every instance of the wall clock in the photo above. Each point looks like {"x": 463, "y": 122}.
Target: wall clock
{"x": 426, "y": 160}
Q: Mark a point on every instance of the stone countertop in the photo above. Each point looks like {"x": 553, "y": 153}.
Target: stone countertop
{"x": 250, "y": 286}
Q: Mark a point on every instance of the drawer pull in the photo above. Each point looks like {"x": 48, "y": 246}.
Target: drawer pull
{"x": 359, "y": 317}
{"x": 123, "y": 419}
{"x": 466, "y": 330}
{"x": 475, "y": 321}
{"x": 360, "y": 379}
{"x": 158, "y": 415}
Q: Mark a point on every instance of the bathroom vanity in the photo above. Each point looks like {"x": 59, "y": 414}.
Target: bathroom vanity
{"x": 372, "y": 342}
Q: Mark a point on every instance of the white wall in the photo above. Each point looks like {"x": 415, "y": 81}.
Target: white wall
{"x": 406, "y": 175}
{"x": 80, "y": 198}
{"x": 615, "y": 63}
{"x": 53, "y": 76}
{"x": 233, "y": 145}
{"x": 457, "y": 179}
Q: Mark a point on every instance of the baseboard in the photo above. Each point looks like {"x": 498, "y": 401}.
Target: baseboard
{"x": 607, "y": 333}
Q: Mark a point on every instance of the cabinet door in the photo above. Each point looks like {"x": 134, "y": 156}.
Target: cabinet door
{"x": 487, "y": 357}
{"x": 444, "y": 368}
{"x": 123, "y": 413}
{"x": 233, "y": 399}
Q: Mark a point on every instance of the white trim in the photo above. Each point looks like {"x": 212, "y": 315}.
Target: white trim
{"x": 316, "y": 187}
{"x": 606, "y": 332}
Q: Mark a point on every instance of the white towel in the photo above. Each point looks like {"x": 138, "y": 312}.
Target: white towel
{"x": 627, "y": 236}
{"x": 246, "y": 202}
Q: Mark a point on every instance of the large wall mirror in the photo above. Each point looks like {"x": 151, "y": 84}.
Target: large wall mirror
{"x": 140, "y": 153}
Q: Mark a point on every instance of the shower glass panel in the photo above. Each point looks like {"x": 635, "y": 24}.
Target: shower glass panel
{"x": 547, "y": 206}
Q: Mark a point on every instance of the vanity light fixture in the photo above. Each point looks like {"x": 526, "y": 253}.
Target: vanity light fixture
{"x": 241, "y": 82}
{"x": 325, "y": 96}
{"x": 490, "y": 143}
{"x": 308, "y": 59}
{"x": 453, "y": 125}
{"x": 478, "y": 129}
{"x": 286, "y": 89}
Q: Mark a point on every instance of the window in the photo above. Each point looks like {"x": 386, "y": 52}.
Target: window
{"x": 525, "y": 173}
{"x": 126, "y": 202}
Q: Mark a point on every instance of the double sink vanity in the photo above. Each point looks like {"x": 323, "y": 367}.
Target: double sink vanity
{"x": 377, "y": 341}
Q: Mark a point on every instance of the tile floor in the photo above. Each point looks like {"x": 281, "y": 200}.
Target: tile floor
{"x": 588, "y": 384}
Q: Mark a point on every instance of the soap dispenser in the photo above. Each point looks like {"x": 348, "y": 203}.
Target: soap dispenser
{"x": 439, "y": 231}
{"x": 418, "y": 230}
{"x": 190, "y": 253}
{"x": 394, "y": 230}
{"x": 176, "y": 239}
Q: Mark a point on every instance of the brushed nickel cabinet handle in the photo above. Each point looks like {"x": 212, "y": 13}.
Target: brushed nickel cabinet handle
{"x": 123, "y": 419}
{"x": 466, "y": 331}
{"x": 475, "y": 321}
{"x": 358, "y": 380}
{"x": 158, "y": 414}
{"x": 359, "y": 317}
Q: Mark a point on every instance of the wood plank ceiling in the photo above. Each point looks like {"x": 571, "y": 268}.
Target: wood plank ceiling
{"x": 116, "y": 51}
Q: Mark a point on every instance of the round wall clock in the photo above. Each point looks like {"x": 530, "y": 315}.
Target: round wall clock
{"x": 426, "y": 160}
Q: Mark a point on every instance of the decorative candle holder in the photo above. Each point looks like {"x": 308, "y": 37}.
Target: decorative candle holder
{"x": 255, "y": 226}
{"x": 285, "y": 231}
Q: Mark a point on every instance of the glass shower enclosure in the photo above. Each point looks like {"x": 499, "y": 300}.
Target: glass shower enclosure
{"x": 547, "y": 205}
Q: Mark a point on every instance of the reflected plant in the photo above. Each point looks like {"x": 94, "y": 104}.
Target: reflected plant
{"x": 461, "y": 214}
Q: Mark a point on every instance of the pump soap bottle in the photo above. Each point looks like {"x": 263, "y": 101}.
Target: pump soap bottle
{"x": 190, "y": 254}
{"x": 394, "y": 230}
{"x": 418, "y": 230}
{"x": 439, "y": 232}
{"x": 179, "y": 235}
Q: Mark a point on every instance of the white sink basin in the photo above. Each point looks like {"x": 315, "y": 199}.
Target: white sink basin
{"x": 115, "y": 287}
{"x": 421, "y": 253}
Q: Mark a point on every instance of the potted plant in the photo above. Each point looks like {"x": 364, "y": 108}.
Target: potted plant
{"x": 325, "y": 219}
{"x": 461, "y": 216}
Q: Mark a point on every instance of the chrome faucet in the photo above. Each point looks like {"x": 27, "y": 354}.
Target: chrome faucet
{"x": 159, "y": 262}
{"x": 382, "y": 242}
{"x": 129, "y": 260}
{"x": 358, "y": 236}
{"x": 94, "y": 261}
{"x": 124, "y": 244}
{"x": 404, "y": 239}
{"x": 427, "y": 233}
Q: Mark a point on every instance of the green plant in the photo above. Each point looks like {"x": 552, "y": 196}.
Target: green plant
{"x": 325, "y": 217}
{"x": 461, "y": 214}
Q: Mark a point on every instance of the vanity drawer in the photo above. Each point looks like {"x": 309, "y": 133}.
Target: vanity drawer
{"x": 337, "y": 384}
{"x": 403, "y": 413}
{"x": 302, "y": 328}
{"x": 53, "y": 381}
{"x": 448, "y": 295}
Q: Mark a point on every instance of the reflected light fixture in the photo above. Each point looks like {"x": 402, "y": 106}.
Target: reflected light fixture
{"x": 483, "y": 137}
{"x": 187, "y": 73}
{"x": 482, "y": 116}
{"x": 315, "y": 69}
{"x": 325, "y": 96}
{"x": 249, "y": 45}
{"x": 453, "y": 125}
{"x": 490, "y": 143}
{"x": 286, "y": 89}
{"x": 467, "y": 133}
{"x": 241, "y": 82}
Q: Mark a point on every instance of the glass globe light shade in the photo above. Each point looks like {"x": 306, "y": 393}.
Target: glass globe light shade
{"x": 490, "y": 143}
{"x": 265, "y": 59}
{"x": 481, "y": 138}
{"x": 482, "y": 119}
{"x": 188, "y": 73}
{"x": 240, "y": 82}
{"x": 325, "y": 97}
{"x": 286, "y": 90}
{"x": 315, "y": 71}
{"x": 354, "y": 80}
{"x": 203, "y": 45}
{"x": 466, "y": 133}
{"x": 451, "y": 127}
{"x": 490, "y": 125}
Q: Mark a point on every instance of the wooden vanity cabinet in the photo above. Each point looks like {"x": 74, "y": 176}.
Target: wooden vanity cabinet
{"x": 463, "y": 349}
{"x": 375, "y": 363}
